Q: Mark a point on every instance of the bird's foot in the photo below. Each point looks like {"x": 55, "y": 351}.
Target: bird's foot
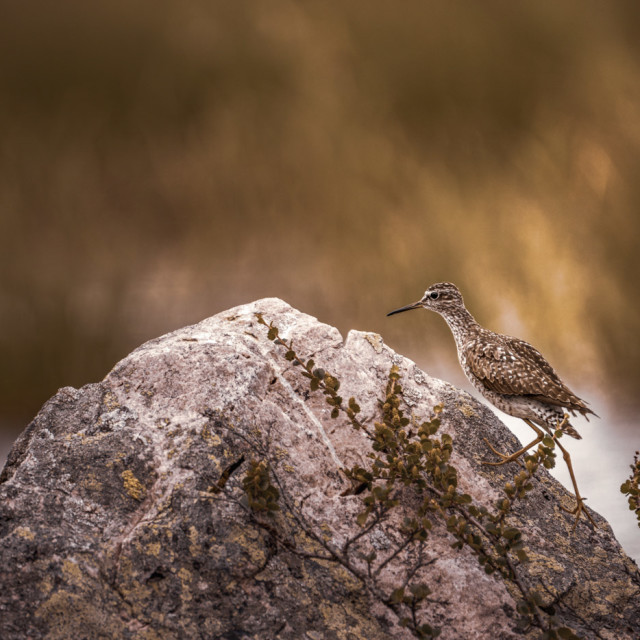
{"x": 503, "y": 458}
{"x": 577, "y": 510}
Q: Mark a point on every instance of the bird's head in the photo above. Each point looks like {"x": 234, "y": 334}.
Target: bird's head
{"x": 443, "y": 298}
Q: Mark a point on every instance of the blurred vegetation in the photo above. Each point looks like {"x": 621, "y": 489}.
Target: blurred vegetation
{"x": 631, "y": 487}
{"x": 162, "y": 162}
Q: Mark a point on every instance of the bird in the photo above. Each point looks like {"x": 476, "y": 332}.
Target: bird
{"x": 512, "y": 375}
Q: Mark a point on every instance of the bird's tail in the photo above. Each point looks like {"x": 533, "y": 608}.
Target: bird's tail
{"x": 566, "y": 427}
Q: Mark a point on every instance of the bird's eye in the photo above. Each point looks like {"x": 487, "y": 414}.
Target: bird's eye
{"x": 434, "y": 295}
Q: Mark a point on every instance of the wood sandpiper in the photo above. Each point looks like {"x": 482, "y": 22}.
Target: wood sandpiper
{"x": 511, "y": 374}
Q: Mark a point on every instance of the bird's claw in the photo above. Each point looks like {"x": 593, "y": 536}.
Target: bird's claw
{"x": 503, "y": 458}
{"x": 514, "y": 457}
{"x": 577, "y": 510}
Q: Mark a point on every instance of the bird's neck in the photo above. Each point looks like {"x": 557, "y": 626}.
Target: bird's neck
{"x": 462, "y": 324}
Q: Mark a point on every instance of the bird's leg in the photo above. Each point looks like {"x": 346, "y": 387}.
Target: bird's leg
{"x": 517, "y": 454}
{"x": 579, "y": 508}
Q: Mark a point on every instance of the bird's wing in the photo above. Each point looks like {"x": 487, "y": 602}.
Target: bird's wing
{"x": 513, "y": 367}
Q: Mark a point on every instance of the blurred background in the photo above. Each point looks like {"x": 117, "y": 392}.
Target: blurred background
{"x": 162, "y": 162}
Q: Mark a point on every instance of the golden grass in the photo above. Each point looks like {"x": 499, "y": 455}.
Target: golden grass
{"x": 161, "y": 163}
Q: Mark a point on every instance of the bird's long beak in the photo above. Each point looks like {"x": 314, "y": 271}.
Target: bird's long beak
{"x": 415, "y": 305}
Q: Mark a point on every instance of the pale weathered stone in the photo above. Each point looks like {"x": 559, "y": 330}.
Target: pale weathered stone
{"x": 109, "y": 529}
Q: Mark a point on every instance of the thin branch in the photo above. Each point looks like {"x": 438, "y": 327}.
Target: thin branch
{"x": 394, "y": 555}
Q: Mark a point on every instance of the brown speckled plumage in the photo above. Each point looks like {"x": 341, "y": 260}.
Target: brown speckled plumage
{"x": 508, "y": 372}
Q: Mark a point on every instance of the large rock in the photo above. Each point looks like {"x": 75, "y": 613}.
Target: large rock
{"x": 112, "y": 526}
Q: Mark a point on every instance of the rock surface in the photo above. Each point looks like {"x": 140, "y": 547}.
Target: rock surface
{"x": 109, "y": 527}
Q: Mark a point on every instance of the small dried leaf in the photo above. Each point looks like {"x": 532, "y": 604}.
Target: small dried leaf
{"x": 397, "y": 595}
